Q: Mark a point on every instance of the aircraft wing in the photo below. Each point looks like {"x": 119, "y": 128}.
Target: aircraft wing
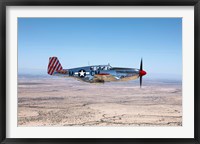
{"x": 104, "y": 78}
{"x": 108, "y": 77}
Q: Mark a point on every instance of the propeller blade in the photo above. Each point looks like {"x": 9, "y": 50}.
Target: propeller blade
{"x": 141, "y": 69}
{"x": 141, "y": 65}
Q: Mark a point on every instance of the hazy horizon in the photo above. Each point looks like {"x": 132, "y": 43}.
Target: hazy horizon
{"x": 157, "y": 78}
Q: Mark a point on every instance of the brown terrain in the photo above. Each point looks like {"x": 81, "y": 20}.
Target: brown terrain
{"x": 47, "y": 101}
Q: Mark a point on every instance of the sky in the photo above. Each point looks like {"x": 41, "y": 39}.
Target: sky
{"x": 121, "y": 42}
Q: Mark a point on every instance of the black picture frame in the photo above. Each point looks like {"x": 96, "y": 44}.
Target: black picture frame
{"x": 5, "y": 3}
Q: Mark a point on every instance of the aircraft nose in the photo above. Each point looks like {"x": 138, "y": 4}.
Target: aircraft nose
{"x": 142, "y": 73}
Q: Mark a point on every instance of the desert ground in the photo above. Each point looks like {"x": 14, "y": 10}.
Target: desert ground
{"x": 52, "y": 101}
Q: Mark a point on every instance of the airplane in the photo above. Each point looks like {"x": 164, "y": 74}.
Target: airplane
{"x": 96, "y": 73}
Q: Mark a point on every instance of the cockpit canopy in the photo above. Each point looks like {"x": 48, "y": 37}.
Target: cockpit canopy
{"x": 103, "y": 67}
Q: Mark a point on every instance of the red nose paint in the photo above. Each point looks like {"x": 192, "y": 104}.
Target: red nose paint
{"x": 142, "y": 73}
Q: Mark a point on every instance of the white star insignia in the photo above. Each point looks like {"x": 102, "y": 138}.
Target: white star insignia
{"x": 82, "y": 73}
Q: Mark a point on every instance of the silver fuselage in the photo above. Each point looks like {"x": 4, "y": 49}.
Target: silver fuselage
{"x": 100, "y": 73}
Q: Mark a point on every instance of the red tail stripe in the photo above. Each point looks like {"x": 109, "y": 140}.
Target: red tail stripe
{"x": 61, "y": 68}
{"x": 51, "y": 64}
{"x": 50, "y": 61}
{"x": 57, "y": 66}
{"x": 54, "y": 66}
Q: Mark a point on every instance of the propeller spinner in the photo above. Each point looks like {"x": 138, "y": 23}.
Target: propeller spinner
{"x": 141, "y": 73}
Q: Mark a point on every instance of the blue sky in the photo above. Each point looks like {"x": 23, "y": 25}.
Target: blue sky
{"x": 118, "y": 41}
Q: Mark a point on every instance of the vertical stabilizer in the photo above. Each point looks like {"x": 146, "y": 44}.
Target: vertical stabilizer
{"x": 54, "y": 65}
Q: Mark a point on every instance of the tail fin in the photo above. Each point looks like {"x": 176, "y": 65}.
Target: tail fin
{"x": 54, "y": 65}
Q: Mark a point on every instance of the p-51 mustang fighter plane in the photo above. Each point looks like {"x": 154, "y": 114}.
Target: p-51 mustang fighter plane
{"x": 96, "y": 73}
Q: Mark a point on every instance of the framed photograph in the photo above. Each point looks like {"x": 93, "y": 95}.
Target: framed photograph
{"x": 99, "y": 71}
